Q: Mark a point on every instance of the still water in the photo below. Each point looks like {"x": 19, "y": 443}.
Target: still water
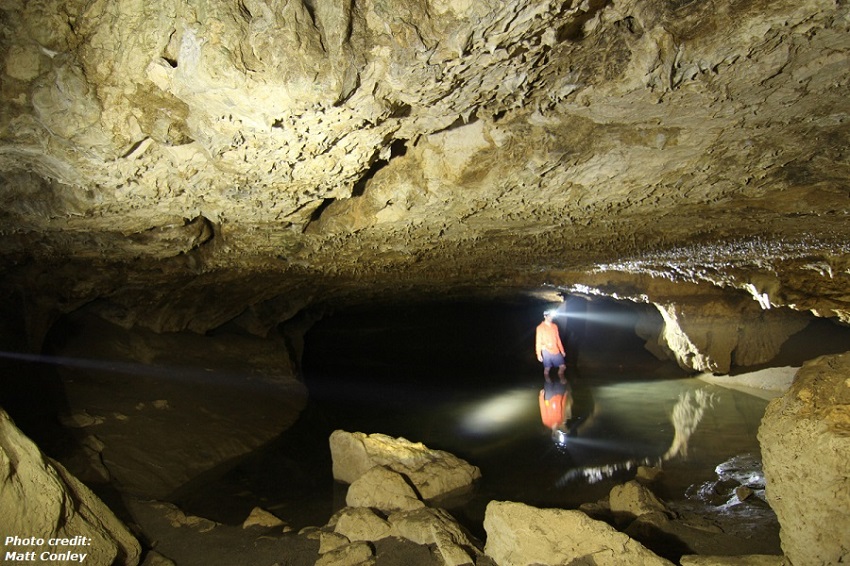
{"x": 619, "y": 422}
{"x": 463, "y": 378}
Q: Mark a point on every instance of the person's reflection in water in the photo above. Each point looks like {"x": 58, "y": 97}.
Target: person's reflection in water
{"x": 556, "y": 407}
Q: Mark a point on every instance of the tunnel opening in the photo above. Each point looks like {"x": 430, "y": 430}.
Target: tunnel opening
{"x": 446, "y": 348}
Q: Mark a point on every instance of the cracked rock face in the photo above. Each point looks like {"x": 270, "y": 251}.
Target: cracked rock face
{"x": 156, "y": 157}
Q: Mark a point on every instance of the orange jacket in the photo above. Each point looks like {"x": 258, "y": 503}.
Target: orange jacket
{"x": 548, "y": 338}
{"x": 553, "y": 411}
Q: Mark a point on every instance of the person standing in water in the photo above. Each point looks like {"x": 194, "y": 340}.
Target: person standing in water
{"x": 549, "y": 349}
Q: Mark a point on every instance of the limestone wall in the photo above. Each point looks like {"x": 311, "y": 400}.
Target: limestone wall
{"x": 805, "y": 443}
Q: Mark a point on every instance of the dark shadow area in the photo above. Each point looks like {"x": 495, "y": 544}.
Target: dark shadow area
{"x": 398, "y": 148}
{"x": 819, "y": 338}
{"x": 290, "y": 477}
{"x": 31, "y": 391}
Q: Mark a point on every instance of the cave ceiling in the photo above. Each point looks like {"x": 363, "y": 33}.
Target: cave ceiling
{"x": 185, "y": 163}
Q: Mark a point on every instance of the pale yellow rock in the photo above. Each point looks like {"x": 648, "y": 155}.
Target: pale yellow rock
{"x": 354, "y": 554}
{"x": 361, "y": 524}
{"x": 432, "y": 472}
{"x": 259, "y": 517}
{"x": 805, "y": 430}
{"x": 519, "y": 534}
{"x": 633, "y": 499}
{"x": 384, "y": 489}
{"x": 746, "y": 560}
{"x": 39, "y": 499}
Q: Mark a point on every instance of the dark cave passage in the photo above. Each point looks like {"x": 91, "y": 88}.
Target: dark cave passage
{"x": 393, "y": 368}
{"x": 462, "y": 377}
{"x": 456, "y": 376}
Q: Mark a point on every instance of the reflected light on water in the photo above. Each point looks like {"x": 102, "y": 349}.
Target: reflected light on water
{"x": 496, "y": 413}
{"x": 594, "y": 474}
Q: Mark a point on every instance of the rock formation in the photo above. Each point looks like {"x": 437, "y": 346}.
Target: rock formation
{"x": 388, "y": 476}
{"x": 155, "y": 158}
{"x": 750, "y": 560}
{"x": 47, "y": 514}
{"x": 135, "y": 394}
{"x": 516, "y": 534}
{"x": 805, "y": 439}
{"x": 519, "y": 534}
{"x": 632, "y": 500}
{"x": 432, "y": 473}
{"x": 384, "y": 489}
{"x": 191, "y": 166}
{"x": 425, "y": 527}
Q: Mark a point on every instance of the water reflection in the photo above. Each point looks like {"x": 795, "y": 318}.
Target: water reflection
{"x": 492, "y": 415}
{"x": 618, "y": 424}
{"x": 685, "y": 416}
{"x": 555, "y": 402}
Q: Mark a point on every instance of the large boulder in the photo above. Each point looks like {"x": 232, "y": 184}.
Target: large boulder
{"x": 520, "y": 534}
{"x": 48, "y": 512}
{"x": 384, "y": 489}
{"x": 431, "y": 472}
{"x": 805, "y": 440}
